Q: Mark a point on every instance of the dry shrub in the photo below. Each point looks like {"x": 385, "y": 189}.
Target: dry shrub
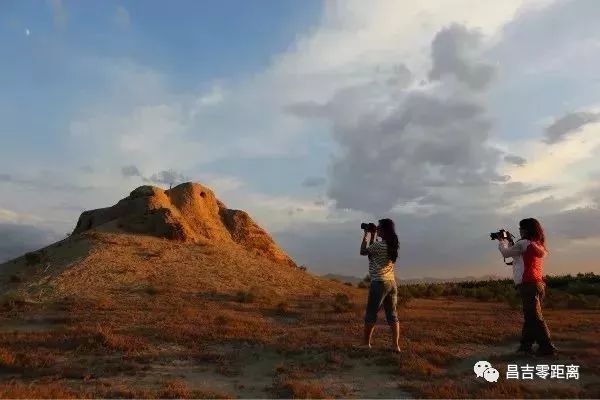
{"x": 7, "y": 358}
{"x": 178, "y": 389}
{"x": 151, "y": 290}
{"x": 18, "y": 390}
{"x": 282, "y": 308}
{"x": 105, "y": 303}
{"x": 334, "y": 358}
{"x": 435, "y": 354}
{"x": 448, "y": 389}
{"x": 243, "y": 296}
{"x": 36, "y": 362}
{"x": 296, "y": 389}
{"x": 341, "y": 303}
{"x": 413, "y": 365}
{"x": 102, "y": 338}
{"x": 175, "y": 389}
{"x": 222, "y": 320}
{"x": 189, "y": 312}
{"x": 125, "y": 392}
{"x": 12, "y": 299}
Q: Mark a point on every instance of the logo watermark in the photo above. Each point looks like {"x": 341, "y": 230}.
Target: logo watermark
{"x": 483, "y": 369}
{"x": 542, "y": 371}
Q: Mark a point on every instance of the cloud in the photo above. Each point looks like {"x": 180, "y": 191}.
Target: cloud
{"x": 313, "y": 181}
{"x": 574, "y": 224}
{"x": 515, "y": 160}
{"x": 454, "y": 53}
{"x": 17, "y": 239}
{"x": 46, "y": 180}
{"x": 121, "y": 18}
{"x": 399, "y": 145}
{"x": 130, "y": 170}
{"x": 10, "y": 216}
{"x": 169, "y": 177}
{"x": 59, "y": 13}
{"x": 569, "y": 124}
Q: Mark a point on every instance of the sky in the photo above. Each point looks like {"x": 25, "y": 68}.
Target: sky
{"x": 454, "y": 118}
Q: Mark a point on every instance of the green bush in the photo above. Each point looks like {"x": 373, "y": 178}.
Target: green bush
{"x": 341, "y": 303}
{"x": 32, "y": 258}
{"x": 513, "y": 300}
{"x": 12, "y": 299}
{"x": 565, "y": 291}
{"x": 243, "y": 296}
{"x": 282, "y": 308}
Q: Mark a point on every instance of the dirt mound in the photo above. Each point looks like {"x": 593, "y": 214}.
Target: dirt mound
{"x": 189, "y": 212}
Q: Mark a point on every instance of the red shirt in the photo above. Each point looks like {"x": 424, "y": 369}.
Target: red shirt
{"x": 533, "y": 260}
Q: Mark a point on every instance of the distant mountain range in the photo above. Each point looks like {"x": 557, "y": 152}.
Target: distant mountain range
{"x": 354, "y": 279}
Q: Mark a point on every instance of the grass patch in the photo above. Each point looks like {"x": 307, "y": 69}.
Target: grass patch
{"x": 33, "y": 258}
{"x": 243, "y": 296}
{"x": 298, "y": 389}
{"x": 12, "y": 299}
{"x": 342, "y": 303}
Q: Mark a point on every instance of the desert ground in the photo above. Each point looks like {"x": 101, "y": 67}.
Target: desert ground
{"x": 121, "y": 316}
{"x": 170, "y": 294}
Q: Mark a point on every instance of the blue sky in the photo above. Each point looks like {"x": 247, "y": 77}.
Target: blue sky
{"x": 314, "y": 116}
{"x": 49, "y": 72}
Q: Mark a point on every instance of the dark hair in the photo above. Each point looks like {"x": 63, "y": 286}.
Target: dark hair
{"x": 388, "y": 233}
{"x": 533, "y": 230}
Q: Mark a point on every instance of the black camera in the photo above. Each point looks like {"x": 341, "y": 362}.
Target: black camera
{"x": 369, "y": 227}
{"x": 501, "y": 234}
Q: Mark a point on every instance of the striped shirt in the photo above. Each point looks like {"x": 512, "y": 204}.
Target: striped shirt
{"x": 381, "y": 268}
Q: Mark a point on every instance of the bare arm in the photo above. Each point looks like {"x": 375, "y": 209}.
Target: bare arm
{"x": 539, "y": 249}
{"x": 363, "y": 245}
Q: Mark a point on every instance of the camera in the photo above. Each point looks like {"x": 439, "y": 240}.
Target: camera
{"x": 369, "y": 227}
{"x": 501, "y": 234}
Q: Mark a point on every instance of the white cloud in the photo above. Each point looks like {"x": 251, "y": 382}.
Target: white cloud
{"x": 564, "y": 165}
{"x": 9, "y": 216}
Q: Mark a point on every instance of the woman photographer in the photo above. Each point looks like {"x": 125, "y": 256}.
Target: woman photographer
{"x": 528, "y": 260}
{"x": 383, "y": 291}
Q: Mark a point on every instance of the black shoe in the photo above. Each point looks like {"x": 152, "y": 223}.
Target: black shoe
{"x": 546, "y": 351}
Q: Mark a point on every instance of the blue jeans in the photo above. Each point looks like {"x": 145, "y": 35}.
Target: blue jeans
{"x": 382, "y": 293}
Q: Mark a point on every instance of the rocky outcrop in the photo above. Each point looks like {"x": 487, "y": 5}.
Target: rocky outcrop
{"x": 187, "y": 212}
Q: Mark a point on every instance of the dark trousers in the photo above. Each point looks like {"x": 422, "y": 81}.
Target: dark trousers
{"x": 534, "y": 326}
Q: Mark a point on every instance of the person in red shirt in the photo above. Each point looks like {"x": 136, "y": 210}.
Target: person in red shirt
{"x": 529, "y": 253}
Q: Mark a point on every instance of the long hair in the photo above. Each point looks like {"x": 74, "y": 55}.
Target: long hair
{"x": 388, "y": 233}
{"x": 533, "y": 230}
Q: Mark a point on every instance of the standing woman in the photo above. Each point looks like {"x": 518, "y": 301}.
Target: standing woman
{"x": 528, "y": 261}
{"x": 383, "y": 290}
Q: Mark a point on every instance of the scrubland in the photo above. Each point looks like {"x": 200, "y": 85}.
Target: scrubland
{"x": 124, "y": 316}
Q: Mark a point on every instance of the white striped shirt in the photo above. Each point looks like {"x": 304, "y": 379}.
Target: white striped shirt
{"x": 381, "y": 268}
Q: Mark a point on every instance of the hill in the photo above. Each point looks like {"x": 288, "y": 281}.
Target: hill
{"x": 182, "y": 238}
